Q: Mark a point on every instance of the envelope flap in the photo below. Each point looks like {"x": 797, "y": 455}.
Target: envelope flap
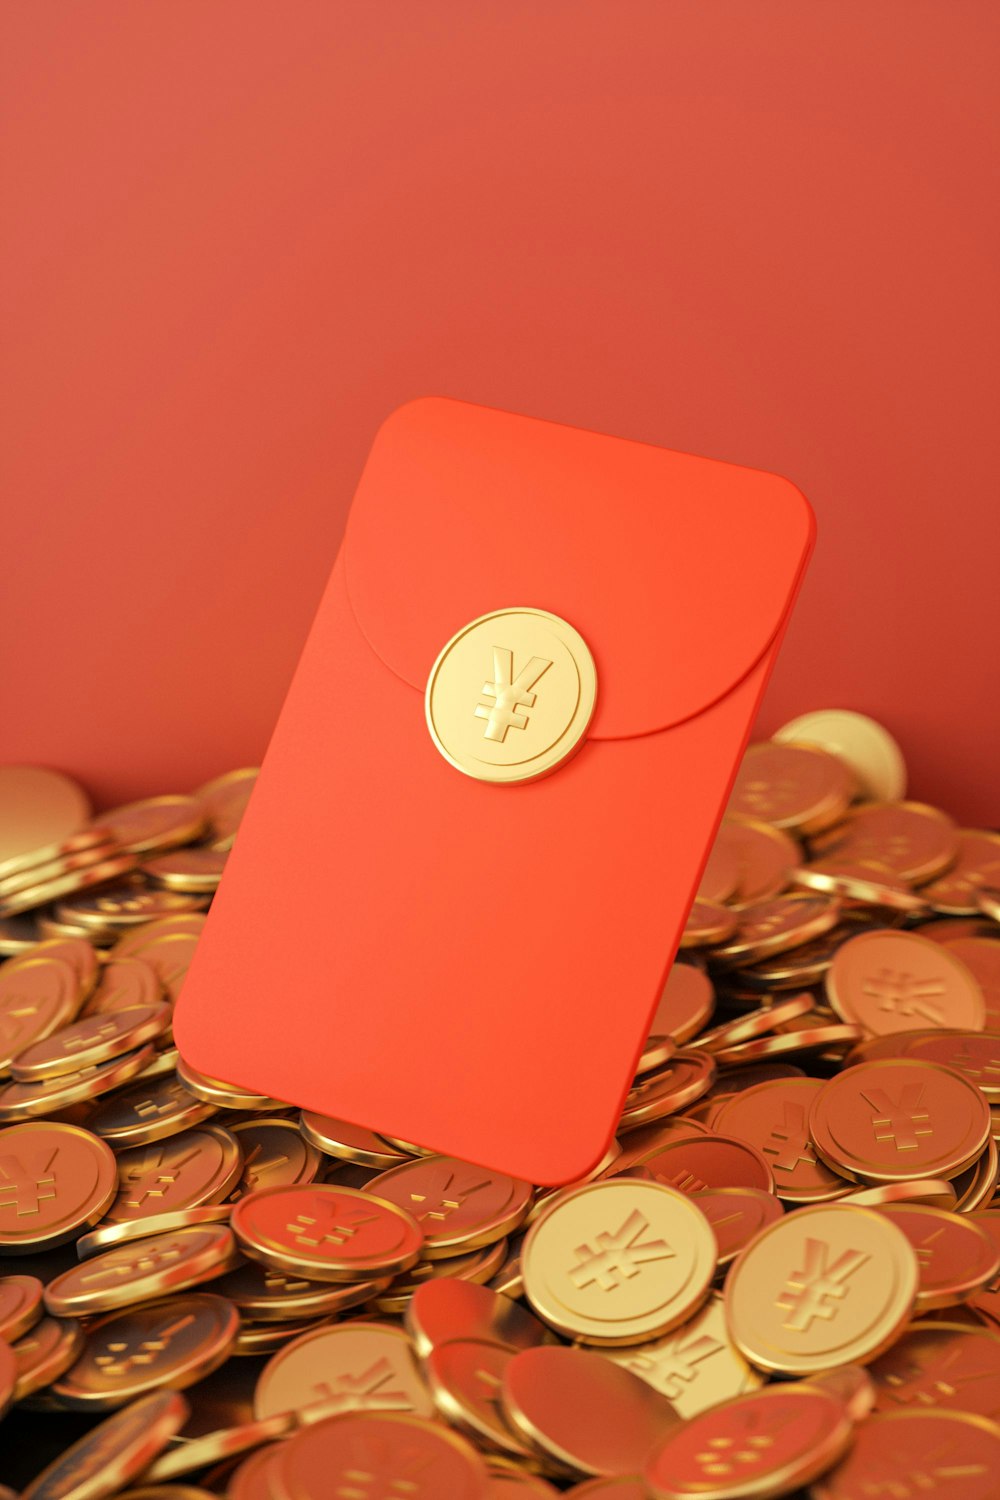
{"x": 677, "y": 570}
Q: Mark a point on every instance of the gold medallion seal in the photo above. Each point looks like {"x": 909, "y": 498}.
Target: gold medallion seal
{"x": 510, "y": 696}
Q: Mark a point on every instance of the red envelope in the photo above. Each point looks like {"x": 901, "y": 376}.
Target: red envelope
{"x": 468, "y": 965}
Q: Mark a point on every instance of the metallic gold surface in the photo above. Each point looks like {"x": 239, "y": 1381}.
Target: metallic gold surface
{"x": 696, "y": 1366}
{"x": 340, "y": 1368}
{"x": 951, "y": 1455}
{"x": 142, "y": 1272}
{"x": 186, "y": 1171}
{"x": 93, "y": 1040}
{"x": 327, "y": 1233}
{"x": 445, "y": 1310}
{"x": 898, "y": 981}
{"x": 113, "y": 1453}
{"x": 792, "y": 786}
{"x": 458, "y": 1207}
{"x": 54, "y": 1180}
{"x": 510, "y": 696}
{"x": 419, "y": 1459}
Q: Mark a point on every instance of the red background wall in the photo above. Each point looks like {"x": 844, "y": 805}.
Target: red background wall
{"x": 238, "y": 234}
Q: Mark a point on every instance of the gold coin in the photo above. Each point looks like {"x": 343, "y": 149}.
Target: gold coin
{"x": 169, "y": 954}
{"x": 131, "y": 1274}
{"x": 766, "y": 1443}
{"x": 20, "y": 1101}
{"x": 20, "y": 1305}
{"x": 124, "y": 982}
{"x": 198, "y": 869}
{"x": 446, "y": 1310}
{"x": 223, "y": 802}
{"x": 582, "y": 1413}
{"x": 707, "y": 924}
{"x": 686, "y": 1003}
{"x": 274, "y": 1154}
{"x": 37, "y": 995}
{"x": 465, "y": 1377}
{"x": 458, "y": 1207}
{"x": 268, "y": 1296}
{"x": 395, "y": 1453}
{"x": 108, "y": 1234}
{"x": 38, "y": 807}
{"x": 860, "y": 742}
{"x": 754, "y": 1024}
{"x": 327, "y": 1233}
{"x": 900, "y": 1455}
{"x": 694, "y": 1367}
{"x": 736, "y": 1215}
{"x": 765, "y": 857}
{"x": 684, "y": 1079}
{"x": 211, "y": 1448}
{"x": 171, "y": 1343}
{"x": 148, "y": 1111}
{"x": 55, "y": 868}
{"x": 826, "y": 1285}
{"x": 186, "y": 923}
{"x": 955, "y": 1256}
{"x": 930, "y": 1190}
{"x": 75, "y": 951}
{"x": 342, "y": 1368}
{"x": 131, "y": 904}
{"x": 812, "y": 1037}
{"x": 618, "y": 1262}
{"x": 981, "y": 956}
{"x": 95, "y": 1039}
{"x": 349, "y": 1142}
{"x": 886, "y": 980}
{"x": 864, "y": 880}
{"x": 46, "y": 854}
{"x": 478, "y": 1266}
{"x": 222, "y": 1095}
{"x": 255, "y": 1339}
{"x": 65, "y": 885}
{"x": 188, "y": 1170}
{"x": 897, "y": 1119}
{"x": 774, "y": 1117}
{"x": 977, "y": 868}
{"x": 917, "y": 841}
{"x": 54, "y": 1179}
{"x": 155, "y": 823}
{"x": 106, "y": 1458}
{"x": 770, "y": 927}
{"x": 942, "y": 1364}
{"x": 796, "y": 787}
{"x": 511, "y": 695}
{"x": 43, "y": 1354}
{"x": 853, "y": 1387}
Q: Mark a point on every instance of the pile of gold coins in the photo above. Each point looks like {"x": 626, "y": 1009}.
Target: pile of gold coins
{"x": 783, "y": 1278}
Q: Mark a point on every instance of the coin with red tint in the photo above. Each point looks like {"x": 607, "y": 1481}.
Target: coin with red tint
{"x": 987, "y": 1299}
{"x": 459, "y": 1207}
{"x": 393, "y": 1454}
{"x": 765, "y": 857}
{"x": 325, "y": 1232}
{"x": 736, "y": 1215}
{"x": 798, "y": 787}
{"x": 896, "y": 1120}
{"x": 702, "y": 1162}
{"x": 55, "y": 1179}
{"x": 685, "y": 1004}
{"x": 956, "y": 892}
{"x": 774, "y": 1119}
{"x": 938, "y": 1364}
{"x": 850, "y": 1384}
{"x": 975, "y": 1054}
{"x": 774, "y": 926}
{"x": 685, "y": 1078}
{"x": 916, "y": 841}
{"x": 721, "y": 874}
{"x": 886, "y": 980}
{"x": 955, "y": 1256}
{"x": 981, "y": 956}
{"x": 766, "y": 1443}
{"x": 706, "y": 924}
{"x": 902, "y": 1454}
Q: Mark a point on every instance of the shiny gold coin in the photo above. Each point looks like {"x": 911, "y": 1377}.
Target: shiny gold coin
{"x": 886, "y": 980}
{"x": 75, "y": 951}
{"x": 813, "y": 1037}
{"x": 695, "y": 1367}
{"x": 263, "y": 1339}
{"x": 19, "y": 1101}
{"x": 770, "y": 927}
{"x": 211, "y": 1448}
{"x": 223, "y": 803}
{"x": 349, "y": 1142}
{"x": 20, "y": 1305}
{"x": 186, "y": 1171}
{"x": 707, "y": 924}
{"x": 916, "y": 841}
{"x": 345, "y": 1367}
{"x": 896, "y": 1119}
{"x": 797, "y": 787}
{"x": 148, "y": 1111}
{"x": 766, "y": 1443}
{"x": 511, "y": 695}
{"x": 327, "y": 1233}
{"x": 275, "y": 1154}
{"x": 955, "y": 1256}
{"x": 618, "y": 1262}
{"x": 269, "y": 1296}
{"x": 54, "y": 869}
{"x": 865, "y": 880}
{"x": 736, "y": 1215}
{"x": 155, "y": 823}
{"x": 37, "y": 995}
{"x": 774, "y": 1117}
{"x": 172, "y": 1343}
{"x": 169, "y": 954}
{"x": 46, "y": 854}
{"x": 44, "y": 1353}
{"x": 951, "y": 1455}
{"x": 458, "y": 1207}
{"x": 977, "y": 868}
{"x": 106, "y": 1458}
{"x": 395, "y": 1453}
{"x": 54, "y": 1180}
{"x": 826, "y": 1285}
{"x": 38, "y": 807}
{"x": 721, "y": 875}
{"x": 807, "y": 964}
{"x": 446, "y": 1310}
{"x": 65, "y": 885}
{"x": 852, "y": 1386}
{"x": 198, "y": 869}
{"x": 124, "y": 983}
{"x": 122, "y": 907}
{"x": 132, "y": 1274}
{"x": 685, "y": 1078}
{"x": 478, "y": 1266}
{"x": 754, "y": 1024}
{"x": 932, "y": 1191}
{"x": 187, "y": 923}
{"x": 981, "y": 956}
{"x": 108, "y": 1234}
{"x": 864, "y": 745}
{"x": 50, "y": 925}
{"x": 765, "y": 857}
{"x": 579, "y": 1411}
{"x": 93, "y": 1040}
{"x": 222, "y": 1095}
{"x": 685, "y": 1005}
{"x": 943, "y": 1364}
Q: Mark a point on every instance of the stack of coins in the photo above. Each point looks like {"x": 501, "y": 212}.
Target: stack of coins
{"x": 782, "y": 1279}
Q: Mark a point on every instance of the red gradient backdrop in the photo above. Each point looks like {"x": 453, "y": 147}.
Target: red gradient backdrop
{"x": 238, "y": 234}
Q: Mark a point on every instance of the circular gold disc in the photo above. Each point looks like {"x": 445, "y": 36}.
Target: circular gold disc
{"x": 510, "y": 696}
